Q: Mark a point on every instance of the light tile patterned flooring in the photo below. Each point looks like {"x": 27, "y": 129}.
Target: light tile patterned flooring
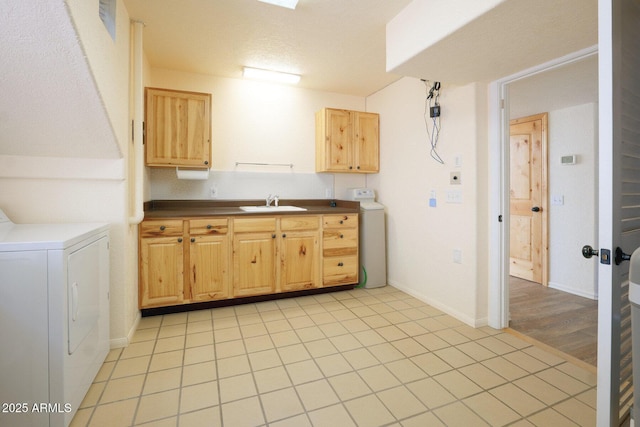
{"x": 364, "y": 357}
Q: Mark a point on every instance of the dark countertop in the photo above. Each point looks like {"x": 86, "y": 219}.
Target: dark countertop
{"x": 159, "y": 209}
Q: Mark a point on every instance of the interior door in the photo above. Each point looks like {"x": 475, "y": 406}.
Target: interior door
{"x": 619, "y": 186}
{"x": 528, "y": 198}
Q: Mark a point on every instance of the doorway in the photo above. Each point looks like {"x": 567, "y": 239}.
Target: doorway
{"x": 572, "y": 173}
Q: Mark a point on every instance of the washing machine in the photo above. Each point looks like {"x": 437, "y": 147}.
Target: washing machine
{"x": 373, "y": 253}
{"x": 54, "y": 318}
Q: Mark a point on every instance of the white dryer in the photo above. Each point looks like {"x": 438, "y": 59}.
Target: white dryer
{"x": 54, "y": 318}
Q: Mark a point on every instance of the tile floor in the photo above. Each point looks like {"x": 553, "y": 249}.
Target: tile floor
{"x": 364, "y": 357}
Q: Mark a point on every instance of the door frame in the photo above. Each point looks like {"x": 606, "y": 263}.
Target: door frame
{"x": 498, "y": 292}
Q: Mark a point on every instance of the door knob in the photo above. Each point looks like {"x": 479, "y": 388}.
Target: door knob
{"x": 535, "y": 209}
{"x": 621, "y": 256}
{"x": 588, "y": 251}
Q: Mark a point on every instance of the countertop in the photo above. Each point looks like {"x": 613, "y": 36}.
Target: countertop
{"x": 159, "y": 209}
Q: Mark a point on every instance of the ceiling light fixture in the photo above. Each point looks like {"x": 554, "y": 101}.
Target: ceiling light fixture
{"x": 272, "y": 76}
{"x": 289, "y": 4}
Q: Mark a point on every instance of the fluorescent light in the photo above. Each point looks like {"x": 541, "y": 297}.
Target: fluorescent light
{"x": 272, "y": 76}
{"x": 289, "y": 4}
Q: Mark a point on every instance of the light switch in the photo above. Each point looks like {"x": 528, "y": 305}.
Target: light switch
{"x": 454, "y": 196}
{"x": 557, "y": 200}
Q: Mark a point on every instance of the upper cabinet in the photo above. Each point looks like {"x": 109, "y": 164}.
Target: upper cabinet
{"x": 178, "y": 128}
{"x": 347, "y": 141}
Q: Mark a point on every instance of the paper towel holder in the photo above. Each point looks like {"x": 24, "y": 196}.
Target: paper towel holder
{"x": 192, "y": 173}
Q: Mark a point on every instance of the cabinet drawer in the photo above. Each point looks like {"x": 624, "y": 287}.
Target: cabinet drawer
{"x": 290, "y": 223}
{"x": 171, "y": 227}
{"x": 249, "y": 225}
{"x": 340, "y": 242}
{"x": 209, "y": 226}
{"x": 340, "y": 270}
{"x": 340, "y": 221}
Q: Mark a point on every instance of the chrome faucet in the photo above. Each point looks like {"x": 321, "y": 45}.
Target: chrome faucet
{"x": 271, "y": 198}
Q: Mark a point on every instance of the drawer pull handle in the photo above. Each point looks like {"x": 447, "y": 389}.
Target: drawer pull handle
{"x": 179, "y": 239}
{"x": 193, "y": 239}
{"x": 162, "y": 228}
{"x": 340, "y": 264}
{"x": 209, "y": 226}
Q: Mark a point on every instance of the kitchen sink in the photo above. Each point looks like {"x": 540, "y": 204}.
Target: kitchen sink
{"x": 271, "y": 208}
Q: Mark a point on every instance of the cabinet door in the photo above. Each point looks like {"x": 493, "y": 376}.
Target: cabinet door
{"x": 300, "y": 260}
{"x": 254, "y": 263}
{"x": 178, "y": 128}
{"x": 337, "y": 132}
{"x": 161, "y": 271}
{"x": 367, "y": 142}
{"x": 209, "y": 267}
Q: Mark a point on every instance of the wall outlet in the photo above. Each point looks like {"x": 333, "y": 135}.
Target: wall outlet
{"x": 457, "y": 256}
{"x": 454, "y": 196}
{"x": 213, "y": 192}
{"x": 557, "y": 200}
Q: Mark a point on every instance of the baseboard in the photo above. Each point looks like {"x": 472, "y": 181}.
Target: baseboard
{"x": 569, "y": 290}
{"x": 474, "y": 323}
{"x": 125, "y": 341}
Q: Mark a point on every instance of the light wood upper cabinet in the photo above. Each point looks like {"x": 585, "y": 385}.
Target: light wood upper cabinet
{"x": 347, "y": 141}
{"x": 178, "y": 128}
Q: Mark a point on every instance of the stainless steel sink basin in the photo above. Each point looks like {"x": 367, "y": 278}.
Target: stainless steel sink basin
{"x": 271, "y": 208}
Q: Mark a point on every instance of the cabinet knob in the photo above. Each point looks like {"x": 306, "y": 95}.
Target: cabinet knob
{"x": 358, "y": 167}
{"x": 193, "y": 239}
{"x": 162, "y": 228}
{"x": 341, "y": 222}
{"x": 179, "y": 239}
{"x": 342, "y": 236}
{"x": 206, "y": 162}
{"x": 284, "y": 235}
{"x": 273, "y": 236}
{"x": 350, "y": 167}
{"x": 209, "y": 226}
{"x": 340, "y": 264}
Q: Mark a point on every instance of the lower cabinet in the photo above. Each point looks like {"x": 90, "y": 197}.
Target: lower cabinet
{"x": 254, "y": 256}
{"x": 340, "y": 249}
{"x": 161, "y": 264}
{"x": 207, "y": 259}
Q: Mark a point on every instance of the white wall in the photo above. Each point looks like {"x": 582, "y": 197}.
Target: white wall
{"x": 421, "y": 239}
{"x": 257, "y": 122}
{"x": 572, "y": 225}
{"x": 43, "y": 190}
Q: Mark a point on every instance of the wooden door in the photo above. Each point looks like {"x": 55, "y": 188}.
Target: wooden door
{"x": 528, "y": 198}
{"x": 367, "y": 142}
{"x": 209, "y": 267}
{"x": 161, "y": 271}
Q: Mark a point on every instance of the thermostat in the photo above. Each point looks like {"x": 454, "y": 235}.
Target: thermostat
{"x": 568, "y": 160}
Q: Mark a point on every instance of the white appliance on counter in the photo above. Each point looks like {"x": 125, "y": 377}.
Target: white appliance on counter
{"x": 54, "y": 318}
{"x": 373, "y": 253}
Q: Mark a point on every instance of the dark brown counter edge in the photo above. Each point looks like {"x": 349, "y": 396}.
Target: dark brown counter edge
{"x": 181, "y": 308}
{"x": 186, "y": 208}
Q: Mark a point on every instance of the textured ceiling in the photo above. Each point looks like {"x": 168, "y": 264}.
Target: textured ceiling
{"x": 336, "y": 45}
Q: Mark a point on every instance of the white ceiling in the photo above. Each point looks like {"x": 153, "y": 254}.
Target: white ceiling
{"x": 336, "y": 45}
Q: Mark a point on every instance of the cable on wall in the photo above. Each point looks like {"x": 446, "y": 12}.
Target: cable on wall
{"x": 432, "y": 117}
